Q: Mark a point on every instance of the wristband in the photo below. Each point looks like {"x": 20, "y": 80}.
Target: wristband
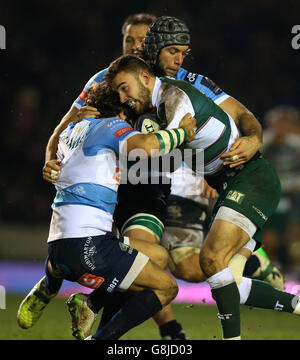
{"x": 170, "y": 139}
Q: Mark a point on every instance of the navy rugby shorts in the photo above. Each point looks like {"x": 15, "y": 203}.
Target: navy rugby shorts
{"x": 105, "y": 260}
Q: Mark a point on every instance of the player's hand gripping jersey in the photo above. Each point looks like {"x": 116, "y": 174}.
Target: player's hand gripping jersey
{"x": 91, "y": 176}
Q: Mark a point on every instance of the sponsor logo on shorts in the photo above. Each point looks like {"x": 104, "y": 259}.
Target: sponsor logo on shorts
{"x": 260, "y": 213}
{"x": 235, "y": 196}
{"x": 89, "y": 250}
{"x": 125, "y": 247}
{"x": 112, "y": 285}
{"x": 90, "y": 281}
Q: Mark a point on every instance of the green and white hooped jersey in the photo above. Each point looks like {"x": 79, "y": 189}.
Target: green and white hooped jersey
{"x": 216, "y": 130}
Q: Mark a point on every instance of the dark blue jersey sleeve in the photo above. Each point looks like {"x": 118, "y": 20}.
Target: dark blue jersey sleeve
{"x": 204, "y": 84}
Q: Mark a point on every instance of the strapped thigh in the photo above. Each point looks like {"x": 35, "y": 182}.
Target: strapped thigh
{"x": 146, "y": 222}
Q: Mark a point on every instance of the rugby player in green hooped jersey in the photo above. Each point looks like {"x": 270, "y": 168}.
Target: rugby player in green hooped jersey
{"x": 166, "y": 45}
{"x": 248, "y": 186}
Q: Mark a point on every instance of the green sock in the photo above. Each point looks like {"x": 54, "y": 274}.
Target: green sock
{"x": 265, "y": 296}
{"x": 228, "y": 301}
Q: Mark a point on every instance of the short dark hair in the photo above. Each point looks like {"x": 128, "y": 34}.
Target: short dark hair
{"x": 138, "y": 19}
{"x": 128, "y": 63}
{"x": 104, "y": 99}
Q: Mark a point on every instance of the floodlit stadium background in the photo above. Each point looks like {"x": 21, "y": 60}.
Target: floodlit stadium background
{"x": 53, "y": 48}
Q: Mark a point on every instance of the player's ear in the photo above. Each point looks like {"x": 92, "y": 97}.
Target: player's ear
{"x": 145, "y": 77}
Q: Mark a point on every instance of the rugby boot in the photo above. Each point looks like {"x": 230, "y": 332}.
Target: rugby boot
{"x": 82, "y": 316}
{"x": 268, "y": 272}
{"x": 31, "y": 308}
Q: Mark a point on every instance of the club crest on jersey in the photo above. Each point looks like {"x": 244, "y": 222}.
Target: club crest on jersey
{"x": 191, "y": 77}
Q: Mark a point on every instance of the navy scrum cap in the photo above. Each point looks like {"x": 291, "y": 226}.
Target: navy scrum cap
{"x": 165, "y": 31}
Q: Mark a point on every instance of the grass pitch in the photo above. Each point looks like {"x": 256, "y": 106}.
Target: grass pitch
{"x": 199, "y": 321}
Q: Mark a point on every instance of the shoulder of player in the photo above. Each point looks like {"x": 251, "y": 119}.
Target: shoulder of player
{"x": 109, "y": 127}
{"x": 106, "y": 123}
{"x": 178, "y": 89}
{"x": 105, "y": 133}
{"x": 98, "y": 77}
{"x": 197, "y": 79}
{"x": 191, "y": 77}
{"x": 201, "y": 82}
{"x": 173, "y": 95}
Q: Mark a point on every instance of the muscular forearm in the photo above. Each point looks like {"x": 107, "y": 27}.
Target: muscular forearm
{"x": 245, "y": 147}
{"x": 249, "y": 126}
{"x": 244, "y": 119}
{"x": 52, "y": 145}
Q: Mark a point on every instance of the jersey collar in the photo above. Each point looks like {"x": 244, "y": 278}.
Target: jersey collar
{"x": 156, "y": 88}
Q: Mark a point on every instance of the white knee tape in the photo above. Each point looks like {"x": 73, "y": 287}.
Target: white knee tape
{"x": 236, "y": 265}
{"x": 227, "y": 214}
{"x": 250, "y": 245}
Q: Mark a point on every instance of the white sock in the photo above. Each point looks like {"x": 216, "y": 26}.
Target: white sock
{"x": 244, "y": 289}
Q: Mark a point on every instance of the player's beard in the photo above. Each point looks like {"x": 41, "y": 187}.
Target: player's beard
{"x": 158, "y": 70}
{"x": 144, "y": 99}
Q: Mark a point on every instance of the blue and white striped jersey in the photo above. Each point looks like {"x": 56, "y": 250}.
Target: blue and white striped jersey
{"x": 86, "y": 191}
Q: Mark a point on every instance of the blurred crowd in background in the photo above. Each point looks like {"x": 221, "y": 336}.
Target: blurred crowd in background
{"x": 53, "y": 48}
